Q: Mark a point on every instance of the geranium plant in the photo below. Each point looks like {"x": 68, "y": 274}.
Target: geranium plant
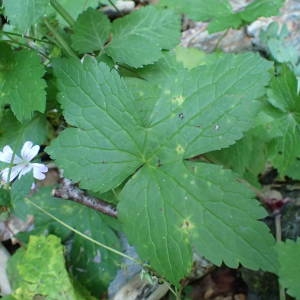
{"x": 165, "y": 145}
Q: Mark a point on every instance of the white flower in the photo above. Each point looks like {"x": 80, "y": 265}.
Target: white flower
{"x": 22, "y": 165}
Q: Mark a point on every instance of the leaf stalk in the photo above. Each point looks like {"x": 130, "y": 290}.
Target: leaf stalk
{"x": 82, "y": 234}
{"x": 64, "y": 14}
{"x": 59, "y": 39}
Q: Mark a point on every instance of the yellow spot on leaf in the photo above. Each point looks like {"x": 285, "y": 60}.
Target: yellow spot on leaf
{"x": 179, "y": 149}
{"x": 178, "y": 100}
{"x": 187, "y": 225}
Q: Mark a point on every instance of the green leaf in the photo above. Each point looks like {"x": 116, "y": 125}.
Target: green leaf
{"x": 294, "y": 170}
{"x": 247, "y": 157}
{"x": 21, "y": 83}
{"x": 220, "y": 13}
{"x": 206, "y": 110}
{"x": 139, "y": 38}
{"x": 92, "y": 266}
{"x": 108, "y": 136}
{"x": 200, "y": 206}
{"x": 24, "y": 14}
{"x": 35, "y": 269}
{"x": 74, "y": 8}
{"x": 260, "y": 8}
{"x": 199, "y": 10}
{"x": 160, "y": 238}
{"x": 289, "y": 266}
{"x": 190, "y": 57}
{"x": 187, "y": 113}
{"x": 15, "y": 134}
{"x": 283, "y": 96}
{"x": 91, "y": 31}
{"x": 4, "y": 198}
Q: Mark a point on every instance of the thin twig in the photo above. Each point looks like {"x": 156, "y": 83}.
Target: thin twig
{"x": 14, "y": 41}
{"x": 59, "y": 39}
{"x": 69, "y": 191}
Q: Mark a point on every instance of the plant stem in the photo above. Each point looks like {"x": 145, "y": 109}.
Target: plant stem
{"x": 278, "y": 240}
{"x": 220, "y": 40}
{"x": 82, "y": 234}
{"x": 26, "y": 37}
{"x": 65, "y": 15}
{"x": 12, "y": 40}
{"x": 114, "y": 6}
{"x": 59, "y": 39}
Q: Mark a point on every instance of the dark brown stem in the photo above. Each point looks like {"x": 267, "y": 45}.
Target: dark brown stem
{"x": 67, "y": 190}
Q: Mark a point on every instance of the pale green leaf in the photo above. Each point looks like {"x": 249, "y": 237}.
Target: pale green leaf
{"x": 282, "y": 52}
{"x": 91, "y": 31}
{"x": 35, "y": 269}
{"x": 289, "y": 266}
{"x": 108, "y": 138}
{"x": 25, "y": 13}
{"x": 139, "y": 38}
{"x": 21, "y": 83}
{"x": 190, "y": 57}
{"x": 177, "y": 208}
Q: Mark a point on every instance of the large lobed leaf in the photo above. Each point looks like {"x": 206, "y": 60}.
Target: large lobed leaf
{"x": 175, "y": 205}
{"x": 209, "y": 107}
{"x": 21, "y": 82}
{"x": 107, "y": 136}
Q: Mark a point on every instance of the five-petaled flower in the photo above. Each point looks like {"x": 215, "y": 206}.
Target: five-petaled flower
{"x": 21, "y": 165}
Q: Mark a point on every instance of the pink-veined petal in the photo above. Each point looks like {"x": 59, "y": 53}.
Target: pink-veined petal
{"x": 29, "y": 151}
{"x": 39, "y": 170}
{"x": 13, "y": 173}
